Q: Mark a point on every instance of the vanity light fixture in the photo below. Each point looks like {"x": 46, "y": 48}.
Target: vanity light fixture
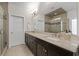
{"x": 34, "y": 13}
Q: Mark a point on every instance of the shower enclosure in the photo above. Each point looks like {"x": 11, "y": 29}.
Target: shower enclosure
{"x": 1, "y": 30}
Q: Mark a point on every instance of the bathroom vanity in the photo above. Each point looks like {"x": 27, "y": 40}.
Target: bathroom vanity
{"x": 42, "y": 44}
{"x": 56, "y": 40}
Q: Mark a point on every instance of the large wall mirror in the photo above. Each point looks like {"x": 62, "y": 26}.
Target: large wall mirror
{"x": 62, "y": 19}
{"x": 56, "y": 21}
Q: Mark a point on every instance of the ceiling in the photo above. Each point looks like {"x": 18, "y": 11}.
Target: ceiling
{"x": 46, "y": 7}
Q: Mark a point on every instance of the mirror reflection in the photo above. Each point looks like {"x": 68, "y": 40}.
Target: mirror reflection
{"x": 57, "y": 21}
{"x": 62, "y": 20}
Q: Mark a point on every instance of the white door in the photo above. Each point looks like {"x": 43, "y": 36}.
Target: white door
{"x": 17, "y": 31}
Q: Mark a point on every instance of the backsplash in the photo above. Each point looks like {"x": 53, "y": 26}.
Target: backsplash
{"x": 38, "y": 24}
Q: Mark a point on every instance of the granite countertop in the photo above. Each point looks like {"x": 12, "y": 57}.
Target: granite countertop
{"x": 69, "y": 44}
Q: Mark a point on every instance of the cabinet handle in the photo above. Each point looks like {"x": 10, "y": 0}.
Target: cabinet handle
{"x": 45, "y": 50}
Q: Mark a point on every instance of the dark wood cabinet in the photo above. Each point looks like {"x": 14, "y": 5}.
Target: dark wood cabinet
{"x": 26, "y": 39}
{"x": 33, "y": 45}
{"x": 43, "y": 48}
{"x": 52, "y": 51}
{"x": 41, "y": 51}
{"x": 30, "y": 42}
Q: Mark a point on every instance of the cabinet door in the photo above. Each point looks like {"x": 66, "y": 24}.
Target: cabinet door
{"x": 26, "y": 39}
{"x": 52, "y": 50}
{"x": 29, "y": 41}
{"x": 0, "y": 44}
{"x": 57, "y": 51}
{"x": 33, "y": 46}
{"x": 41, "y": 51}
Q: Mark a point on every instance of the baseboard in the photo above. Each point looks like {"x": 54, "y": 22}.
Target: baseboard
{"x": 16, "y": 45}
{"x": 5, "y": 49}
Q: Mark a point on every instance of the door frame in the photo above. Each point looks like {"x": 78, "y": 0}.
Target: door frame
{"x": 10, "y": 24}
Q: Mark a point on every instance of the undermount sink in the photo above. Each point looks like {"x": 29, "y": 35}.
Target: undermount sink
{"x": 48, "y": 36}
{"x": 53, "y": 38}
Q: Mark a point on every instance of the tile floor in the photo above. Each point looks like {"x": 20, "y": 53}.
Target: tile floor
{"x": 20, "y": 50}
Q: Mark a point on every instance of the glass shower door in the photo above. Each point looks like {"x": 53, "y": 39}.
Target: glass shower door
{"x": 0, "y": 38}
{"x": 1, "y": 30}
{"x": 0, "y": 42}
{"x": 0, "y": 35}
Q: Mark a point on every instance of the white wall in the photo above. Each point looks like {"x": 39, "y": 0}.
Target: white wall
{"x": 38, "y": 23}
{"x": 24, "y": 10}
{"x": 78, "y": 18}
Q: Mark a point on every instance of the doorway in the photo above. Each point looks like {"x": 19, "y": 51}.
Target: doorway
{"x": 17, "y": 30}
